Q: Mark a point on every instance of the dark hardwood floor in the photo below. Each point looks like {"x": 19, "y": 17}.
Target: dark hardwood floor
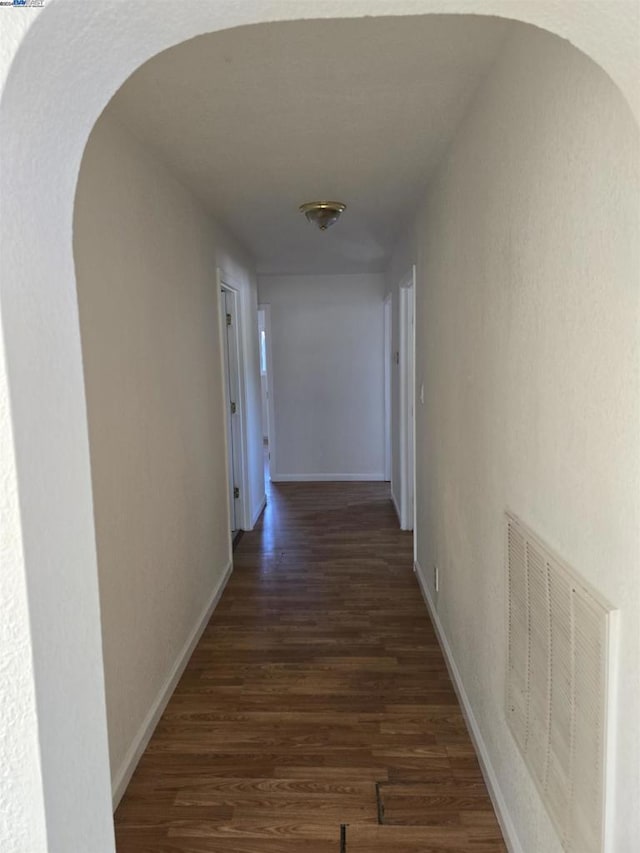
{"x": 317, "y": 697}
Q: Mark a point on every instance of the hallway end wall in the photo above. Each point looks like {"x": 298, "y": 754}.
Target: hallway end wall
{"x": 528, "y": 347}
{"x": 328, "y": 375}
{"x": 146, "y": 256}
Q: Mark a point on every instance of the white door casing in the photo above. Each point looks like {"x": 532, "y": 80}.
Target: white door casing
{"x": 407, "y": 400}
{"x": 387, "y": 355}
{"x": 237, "y": 444}
{"x": 229, "y": 360}
{"x": 270, "y": 396}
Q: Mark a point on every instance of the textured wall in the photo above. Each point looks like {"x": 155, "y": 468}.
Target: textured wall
{"x": 49, "y": 101}
{"x": 527, "y": 324}
{"x": 326, "y": 343}
{"x": 146, "y": 256}
{"x": 20, "y": 781}
{"x": 22, "y": 823}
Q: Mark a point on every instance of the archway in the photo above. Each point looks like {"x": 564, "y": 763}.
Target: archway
{"x": 48, "y": 496}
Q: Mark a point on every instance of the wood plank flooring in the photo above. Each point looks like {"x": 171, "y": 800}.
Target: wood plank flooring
{"x": 317, "y": 697}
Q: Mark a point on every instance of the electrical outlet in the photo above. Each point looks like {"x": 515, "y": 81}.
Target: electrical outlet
{"x": 436, "y": 579}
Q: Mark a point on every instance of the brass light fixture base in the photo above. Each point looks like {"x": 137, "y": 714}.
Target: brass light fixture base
{"x": 322, "y": 213}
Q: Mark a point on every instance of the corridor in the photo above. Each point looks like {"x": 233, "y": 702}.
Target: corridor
{"x": 316, "y": 714}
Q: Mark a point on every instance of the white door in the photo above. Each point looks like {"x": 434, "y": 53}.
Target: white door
{"x": 229, "y": 316}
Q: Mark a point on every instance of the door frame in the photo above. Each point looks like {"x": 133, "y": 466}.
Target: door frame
{"x": 387, "y": 319}
{"x": 266, "y": 307}
{"x": 407, "y": 353}
{"x": 240, "y": 458}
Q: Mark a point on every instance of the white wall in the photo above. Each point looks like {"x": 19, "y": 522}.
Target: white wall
{"x": 146, "y": 257}
{"x": 328, "y": 383}
{"x": 527, "y": 342}
{"x": 22, "y": 820}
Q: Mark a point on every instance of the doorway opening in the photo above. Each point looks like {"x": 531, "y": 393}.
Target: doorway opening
{"x": 36, "y": 314}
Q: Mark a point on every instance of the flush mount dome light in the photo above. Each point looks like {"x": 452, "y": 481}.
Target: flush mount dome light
{"x": 322, "y": 213}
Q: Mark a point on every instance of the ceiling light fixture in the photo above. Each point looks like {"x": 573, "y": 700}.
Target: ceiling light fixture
{"x": 322, "y": 213}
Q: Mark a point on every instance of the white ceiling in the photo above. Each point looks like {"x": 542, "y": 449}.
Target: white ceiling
{"x": 259, "y": 119}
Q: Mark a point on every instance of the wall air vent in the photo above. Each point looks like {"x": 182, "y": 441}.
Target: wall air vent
{"x": 561, "y": 638}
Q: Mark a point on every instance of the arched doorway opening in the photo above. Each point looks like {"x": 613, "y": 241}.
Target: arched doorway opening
{"x": 52, "y": 477}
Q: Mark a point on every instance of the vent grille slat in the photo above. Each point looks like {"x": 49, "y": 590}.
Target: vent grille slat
{"x": 539, "y": 628}
{"x": 559, "y": 641}
{"x": 518, "y": 641}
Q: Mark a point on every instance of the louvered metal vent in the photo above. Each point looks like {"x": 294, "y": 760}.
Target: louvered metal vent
{"x": 558, "y": 684}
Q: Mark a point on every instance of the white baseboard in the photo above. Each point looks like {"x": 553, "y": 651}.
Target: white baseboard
{"x": 258, "y": 512}
{"x": 123, "y": 774}
{"x": 497, "y": 798}
{"x": 396, "y": 505}
{"x": 321, "y": 478}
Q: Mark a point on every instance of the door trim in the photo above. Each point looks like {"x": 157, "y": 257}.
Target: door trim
{"x": 407, "y": 350}
{"x": 387, "y": 319}
{"x": 241, "y": 473}
{"x": 266, "y": 307}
